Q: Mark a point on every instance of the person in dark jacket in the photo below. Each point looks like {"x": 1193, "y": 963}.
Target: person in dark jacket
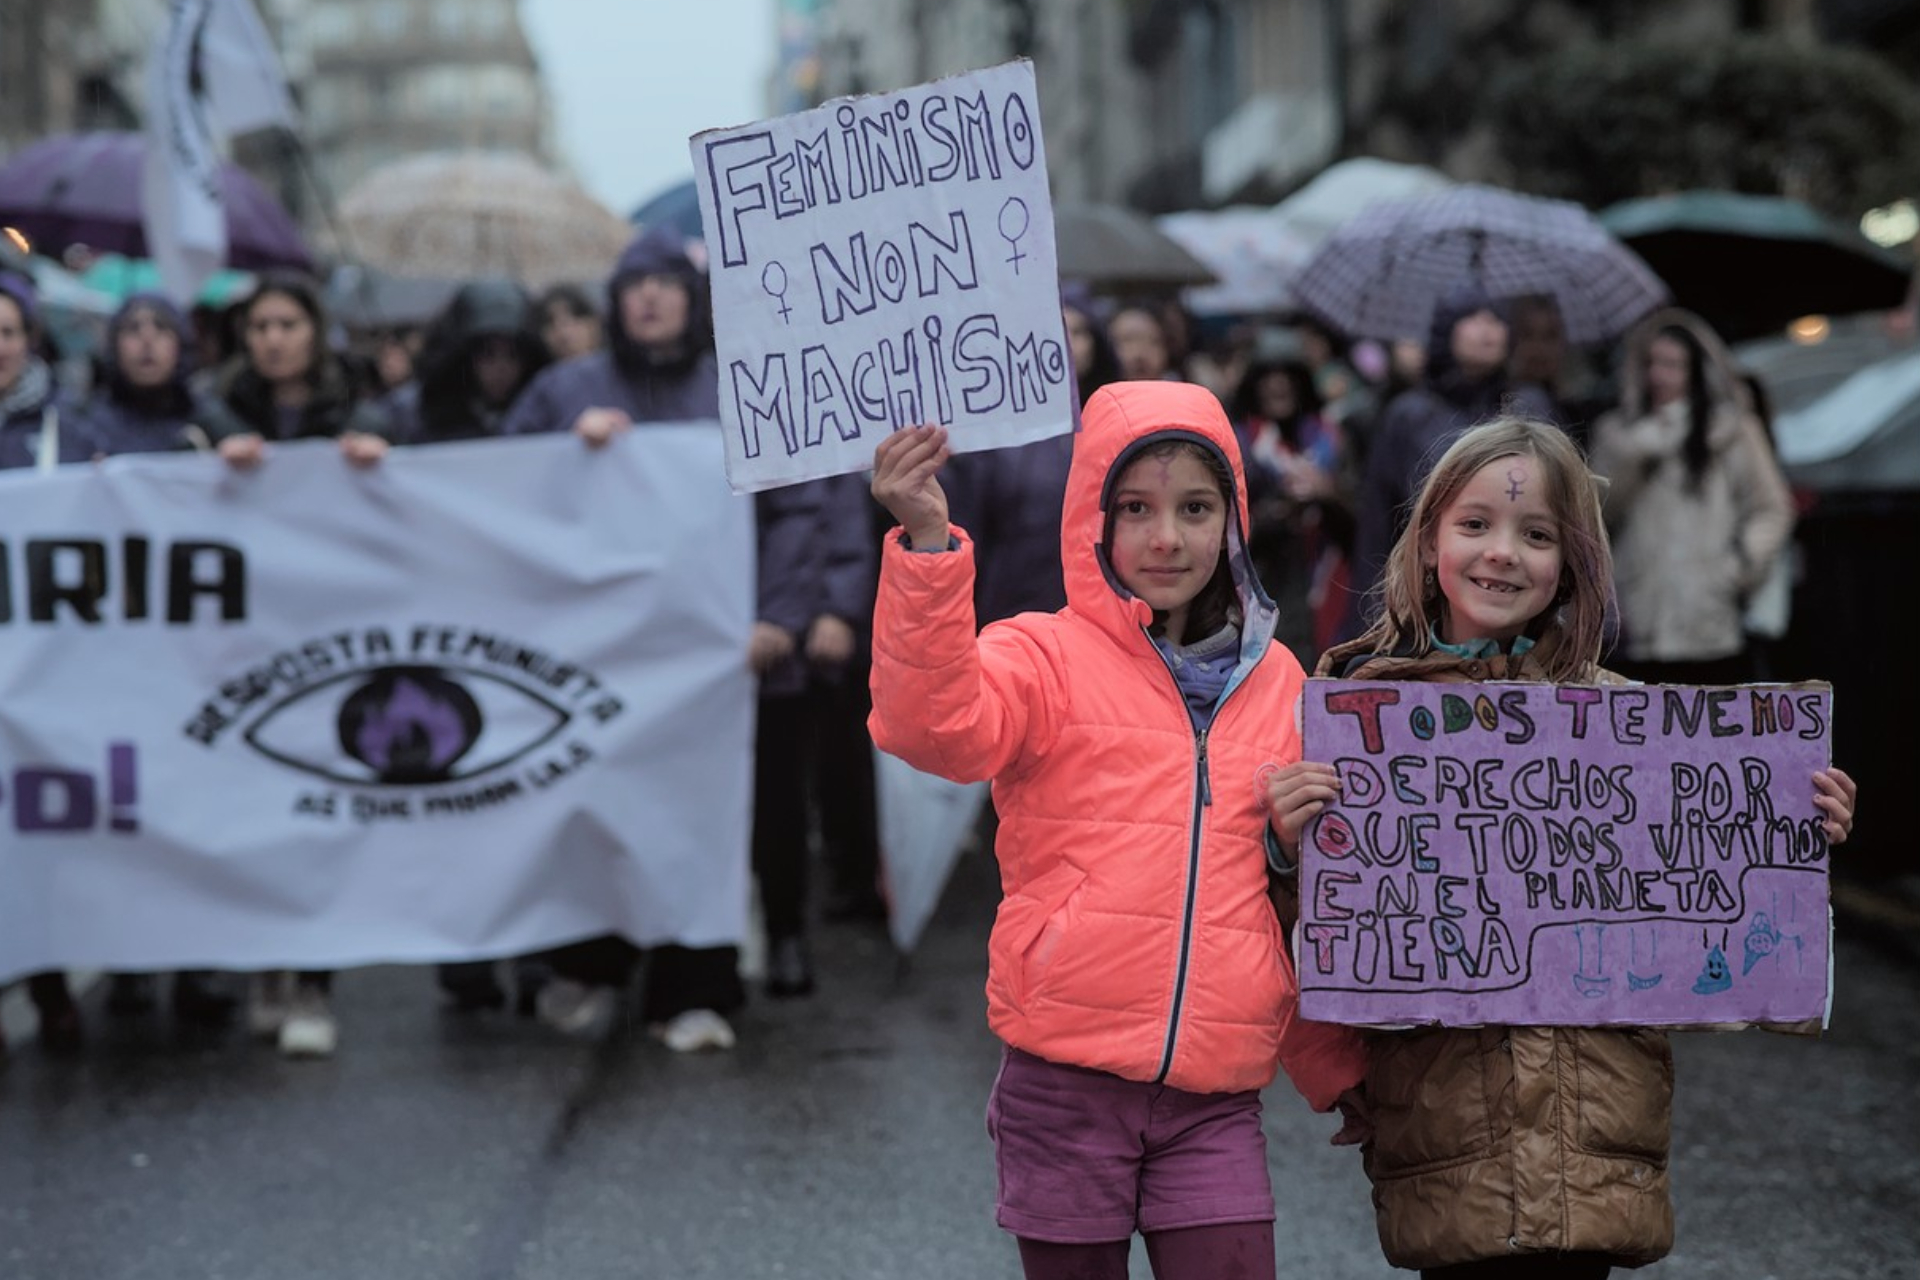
{"x": 659, "y": 366}
{"x": 839, "y": 652}
{"x": 481, "y": 352}
{"x": 287, "y": 383}
{"x": 1465, "y": 382}
{"x": 143, "y": 401}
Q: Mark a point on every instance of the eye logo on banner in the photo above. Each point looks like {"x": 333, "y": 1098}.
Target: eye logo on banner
{"x": 413, "y": 722}
{"x": 406, "y": 726}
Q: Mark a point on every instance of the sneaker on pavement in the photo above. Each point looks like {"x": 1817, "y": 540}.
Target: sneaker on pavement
{"x": 693, "y": 1031}
{"x": 309, "y": 1030}
{"x": 576, "y": 1008}
{"x": 267, "y": 1003}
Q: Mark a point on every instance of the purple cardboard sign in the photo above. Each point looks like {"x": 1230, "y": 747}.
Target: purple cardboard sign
{"x": 1560, "y": 855}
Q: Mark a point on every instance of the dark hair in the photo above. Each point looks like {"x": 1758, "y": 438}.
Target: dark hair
{"x": 1306, "y": 396}
{"x": 1214, "y": 607}
{"x": 478, "y": 310}
{"x": 1694, "y": 450}
{"x": 574, "y": 299}
{"x": 1106, "y": 367}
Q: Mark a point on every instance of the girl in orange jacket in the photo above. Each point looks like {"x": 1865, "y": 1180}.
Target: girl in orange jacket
{"x": 1136, "y": 970}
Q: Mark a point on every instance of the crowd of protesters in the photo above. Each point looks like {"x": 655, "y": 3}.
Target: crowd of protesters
{"x": 1336, "y": 438}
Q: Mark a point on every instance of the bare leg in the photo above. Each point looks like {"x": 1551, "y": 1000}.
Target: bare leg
{"x": 1226, "y": 1251}
{"x": 1044, "y": 1260}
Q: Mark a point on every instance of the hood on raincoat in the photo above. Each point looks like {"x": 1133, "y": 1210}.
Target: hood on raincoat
{"x": 1723, "y": 378}
{"x": 1119, "y": 420}
{"x": 174, "y": 396}
{"x": 1463, "y": 299}
{"x": 659, "y": 251}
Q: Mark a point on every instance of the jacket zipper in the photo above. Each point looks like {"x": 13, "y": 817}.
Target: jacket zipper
{"x": 1202, "y": 800}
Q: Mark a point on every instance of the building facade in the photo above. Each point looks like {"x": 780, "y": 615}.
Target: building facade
{"x": 381, "y": 79}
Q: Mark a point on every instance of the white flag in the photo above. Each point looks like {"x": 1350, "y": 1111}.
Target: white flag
{"x": 213, "y": 74}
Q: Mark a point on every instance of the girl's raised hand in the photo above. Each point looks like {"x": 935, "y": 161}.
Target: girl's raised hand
{"x": 906, "y": 481}
{"x": 1833, "y": 795}
{"x": 1295, "y": 795}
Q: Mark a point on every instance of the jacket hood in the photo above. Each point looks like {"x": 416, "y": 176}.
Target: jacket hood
{"x": 1462, "y": 300}
{"x": 174, "y": 396}
{"x": 1723, "y": 378}
{"x": 659, "y": 251}
{"x": 479, "y": 309}
{"x": 1117, "y": 421}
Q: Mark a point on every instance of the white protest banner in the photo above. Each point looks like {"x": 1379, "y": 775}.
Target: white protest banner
{"x": 480, "y": 699}
{"x": 880, "y": 262}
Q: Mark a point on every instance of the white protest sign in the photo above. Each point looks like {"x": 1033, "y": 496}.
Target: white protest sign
{"x": 879, "y": 262}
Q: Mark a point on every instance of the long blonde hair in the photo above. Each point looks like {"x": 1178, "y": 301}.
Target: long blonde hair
{"x": 1410, "y": 611}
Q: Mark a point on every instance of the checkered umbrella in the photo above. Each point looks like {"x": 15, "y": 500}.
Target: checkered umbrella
{"x": 1380, "y": 274}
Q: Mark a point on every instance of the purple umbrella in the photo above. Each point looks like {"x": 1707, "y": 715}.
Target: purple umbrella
{"x": 84, "y": 188}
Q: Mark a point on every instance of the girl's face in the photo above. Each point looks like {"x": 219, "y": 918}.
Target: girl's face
{"x": 1496, "y": 553}
{"x": 1169, "y": 523}
{"x": 280, "y": 338}
{"x": 15, "y": 345}
{"x": 1668, "y": 370}
{"x": 146, "y": 350}
{"x": 1139, "y": 344}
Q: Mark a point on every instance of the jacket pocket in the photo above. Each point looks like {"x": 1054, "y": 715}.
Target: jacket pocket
{"x": 1433, "y": 1093}
{"x": 1625, "y": 1092}
{"x": 1029, "y": 926}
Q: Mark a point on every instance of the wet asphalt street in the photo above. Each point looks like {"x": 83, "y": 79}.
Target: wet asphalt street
{"x": 843, "y": 1138}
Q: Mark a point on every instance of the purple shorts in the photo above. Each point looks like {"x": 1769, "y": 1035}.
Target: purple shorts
{"x": 1086, "y": 1157}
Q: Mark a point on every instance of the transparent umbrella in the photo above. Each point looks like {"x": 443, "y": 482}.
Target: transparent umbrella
{"x": 461, "y": 215}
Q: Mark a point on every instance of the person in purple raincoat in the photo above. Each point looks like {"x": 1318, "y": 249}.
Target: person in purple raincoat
{"x": 659, "y": 366}
{"x": 142, "y": 402}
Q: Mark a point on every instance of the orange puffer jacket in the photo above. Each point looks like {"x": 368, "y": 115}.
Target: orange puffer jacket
{"x": 1135, "y": 935}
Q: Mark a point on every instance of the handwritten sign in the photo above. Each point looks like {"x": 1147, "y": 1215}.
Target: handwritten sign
{"x": 1563, "y": 855}
{"x": 880, "y": 262}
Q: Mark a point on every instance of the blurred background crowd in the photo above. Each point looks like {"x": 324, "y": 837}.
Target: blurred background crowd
{"x": 1682, "y": 232}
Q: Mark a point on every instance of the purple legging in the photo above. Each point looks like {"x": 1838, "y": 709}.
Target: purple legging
{"x": 1226, "y": 1251}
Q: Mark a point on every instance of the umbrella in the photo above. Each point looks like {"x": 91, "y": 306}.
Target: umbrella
{"x": 122, "y": 277}
{"x": 1379, "y": 275}
{"x": 1862, "y": 434}
{"x": 84, "y": 189}
{"x": 677, "y": 207}
{"x": 466, "y": 214}
{"x": 1250, "y": 252}
{"x": 1750, "y": 265}
{"x": 1117, "y": 249}
{"x": 1345, "y": 190}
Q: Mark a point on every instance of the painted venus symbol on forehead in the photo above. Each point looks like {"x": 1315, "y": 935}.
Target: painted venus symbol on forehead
{"x": 1516, "y": 478}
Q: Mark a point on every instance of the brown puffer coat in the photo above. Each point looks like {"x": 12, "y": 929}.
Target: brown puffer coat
{"x": 1496, "y": 1141}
